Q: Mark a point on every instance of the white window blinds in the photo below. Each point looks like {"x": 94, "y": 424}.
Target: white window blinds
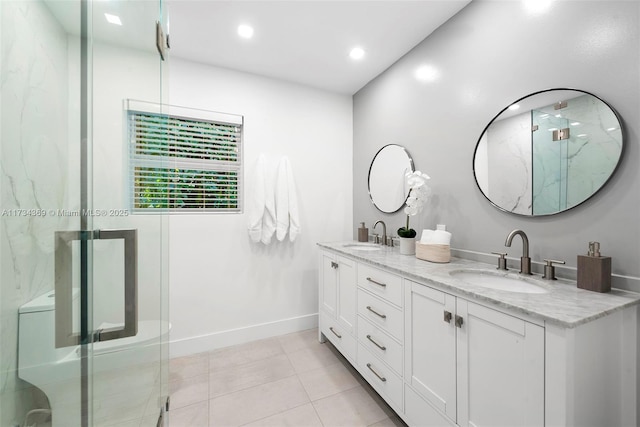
{"x": 184, "y": 164}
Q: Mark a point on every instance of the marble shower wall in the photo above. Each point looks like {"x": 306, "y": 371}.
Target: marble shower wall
{"x": 509, "y": 154}
{"x": 34, "y": 160}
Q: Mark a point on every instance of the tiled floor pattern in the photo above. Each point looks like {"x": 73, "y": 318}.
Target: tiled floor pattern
{"x": 291, "y": 380}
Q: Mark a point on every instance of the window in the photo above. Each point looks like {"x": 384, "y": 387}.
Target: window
{"x": 184, "y": 160}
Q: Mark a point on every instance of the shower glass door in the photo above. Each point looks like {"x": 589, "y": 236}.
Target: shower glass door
{"x": 549, "y": 162}
{"x": 83, "y": 281}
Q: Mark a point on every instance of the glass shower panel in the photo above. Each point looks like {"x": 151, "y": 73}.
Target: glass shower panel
{"x": 549, "y": 160}
{"x": 65, "y": 72}
{"x": 129, "y": 380}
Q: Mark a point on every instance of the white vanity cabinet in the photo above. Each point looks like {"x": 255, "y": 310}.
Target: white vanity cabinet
{"x": 478, "y": 366}
{"x": 443, "y": 356}
{"x": 337, "y": 295}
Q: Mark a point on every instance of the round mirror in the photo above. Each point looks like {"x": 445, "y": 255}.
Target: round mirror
{"x": 387, "y": 187}
{"x": 548, "y": 152}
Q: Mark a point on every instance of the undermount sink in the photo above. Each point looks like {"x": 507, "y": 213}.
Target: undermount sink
{"x": 363, "y": 246}
{"x": 497, "y": 281}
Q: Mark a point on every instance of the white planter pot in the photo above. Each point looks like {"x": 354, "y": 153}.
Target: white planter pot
{"x": 407, "y": 246}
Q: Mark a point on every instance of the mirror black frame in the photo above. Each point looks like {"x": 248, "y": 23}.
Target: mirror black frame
{"x": 622, "y": 150}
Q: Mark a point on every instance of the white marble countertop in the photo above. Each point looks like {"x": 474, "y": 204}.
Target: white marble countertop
{"x": 564, "y": 304}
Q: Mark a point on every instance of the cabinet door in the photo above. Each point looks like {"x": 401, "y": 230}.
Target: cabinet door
{"x": 328, "y": 283}
{"x": 430, "y": 346}
{"x": 500, "y": 369}
{"x": 347, "y": 289}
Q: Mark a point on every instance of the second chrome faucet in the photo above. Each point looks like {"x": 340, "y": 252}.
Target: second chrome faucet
{"x": 525, "y": 260}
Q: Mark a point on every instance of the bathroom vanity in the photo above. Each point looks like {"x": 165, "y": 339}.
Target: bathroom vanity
{"x": 454, "y": 344}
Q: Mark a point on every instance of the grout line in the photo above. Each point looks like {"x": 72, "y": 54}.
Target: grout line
{"x": 208, "y": 389}
{"x": 305, "y": 390}
{"x": 248, "y": 386}
{"x": 278, "y": 413}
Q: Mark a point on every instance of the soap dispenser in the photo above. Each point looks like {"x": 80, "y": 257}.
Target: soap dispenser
{"x": 363, "y": 233}
{"x": 594, "y": 270}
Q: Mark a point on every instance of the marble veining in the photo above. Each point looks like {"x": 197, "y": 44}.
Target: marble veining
{"x": 509, "y": 155}
{"x": 564, "y": 305}
{"x": 33, "y": 166}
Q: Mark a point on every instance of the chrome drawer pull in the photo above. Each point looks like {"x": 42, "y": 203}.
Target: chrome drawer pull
{"x": 383, "y": 379}
{"x": 335, "y": 333}
{"x": 381, "y": 347}
{"x": 384, "y": 316}
{"x": 377, "y": 283}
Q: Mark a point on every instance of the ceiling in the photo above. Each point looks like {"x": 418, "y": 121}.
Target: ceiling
{"x": 306, "y": 42}
{"x": 301, "y": 41}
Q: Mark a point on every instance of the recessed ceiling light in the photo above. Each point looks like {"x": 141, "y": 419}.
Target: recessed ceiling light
{"x": 513, "y": 107}
{"x": 575, "y": 123}
{"x": 245, "y": 31}
{"x": 356, "y": 53}
{"x": 536, "y": 7}
{"x": 427, "y": 73}
{"x": 113, "y": 19}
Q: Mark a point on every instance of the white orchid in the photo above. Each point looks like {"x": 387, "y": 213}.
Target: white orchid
{"x": 419, "y": 192}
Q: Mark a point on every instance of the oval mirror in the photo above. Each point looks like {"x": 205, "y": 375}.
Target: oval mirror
{"x": 548, "y": 152}
{"x": 387, "y": 188}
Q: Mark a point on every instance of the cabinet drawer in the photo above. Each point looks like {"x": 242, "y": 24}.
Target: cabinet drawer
{"x": 380, "y": 376}
{"x": 338, "y": 336}
{"x": 380, "y": 344}
{"x": 382, "y": 314}
{"x": 386, "y": 285}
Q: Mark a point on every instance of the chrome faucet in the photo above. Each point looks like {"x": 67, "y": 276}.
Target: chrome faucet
{"x": 384, "y": 231}
{"x": 525, "y": 261}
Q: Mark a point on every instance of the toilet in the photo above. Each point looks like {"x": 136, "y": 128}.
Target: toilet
{"x": 125, "y": 383}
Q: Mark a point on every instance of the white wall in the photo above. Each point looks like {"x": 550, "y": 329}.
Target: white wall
{"x": 489, "y": 55}
{"x": 226, "y": 289}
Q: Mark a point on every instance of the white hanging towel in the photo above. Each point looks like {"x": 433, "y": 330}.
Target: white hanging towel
{"x": 261, "y": 206}
{"x": 287, "y": 218}
{"x": 269, "y": 216}
{"x": 256, "y": 201}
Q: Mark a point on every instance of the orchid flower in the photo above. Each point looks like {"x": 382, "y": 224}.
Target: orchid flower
{"x": 419, "y": 192}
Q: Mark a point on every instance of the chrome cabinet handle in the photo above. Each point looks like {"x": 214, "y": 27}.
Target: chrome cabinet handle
{"x": 459, "y": 321}
{"x": 383, "y": 316}
{"x": 383, "y": 379}
{"x": 447, "y": 316}
{"x": 335, "y": 333}
{"x": 377, "y": 283}
{"x": 381, "y": 347}
{"x": 64, "y": 334}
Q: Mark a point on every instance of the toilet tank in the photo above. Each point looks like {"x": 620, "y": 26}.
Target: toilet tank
{"x": 36, "y": 332}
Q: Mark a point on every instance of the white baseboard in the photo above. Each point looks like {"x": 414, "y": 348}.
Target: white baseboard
{"x": 202, "y": 343}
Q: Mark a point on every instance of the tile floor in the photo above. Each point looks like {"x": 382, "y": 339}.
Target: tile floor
{"x": 291, "y": 380}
